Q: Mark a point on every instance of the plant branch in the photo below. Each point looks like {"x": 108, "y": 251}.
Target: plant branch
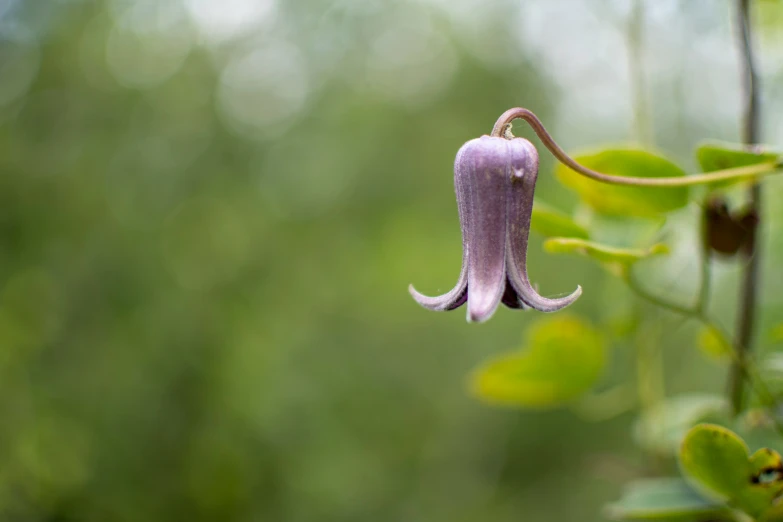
{"x": 705, "y": 280}
{"x": 750, "y": 80}
{"x": 746, "y": 371}
{"x": 750, "y": 135}
{"x": 503, "y": 125}
{"x": 705, "y": 276}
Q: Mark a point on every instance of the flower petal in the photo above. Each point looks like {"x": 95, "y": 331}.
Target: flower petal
{"x": 482, "y": 170}
{"x": 459, "y": 294}
{"x": 448, "y": 301}
{"x": 524, "y": 164}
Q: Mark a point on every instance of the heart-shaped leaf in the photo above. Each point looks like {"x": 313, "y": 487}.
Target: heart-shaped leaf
{"x": 766, "y": 483}
{"x": 665, "y": 499}
{"x": 550, "y": 223}
{"x": 623, "y": 200}
{"x": 717, "y": 460}
{"x": 714, "y": 156}
{"x": 564, "y": 357}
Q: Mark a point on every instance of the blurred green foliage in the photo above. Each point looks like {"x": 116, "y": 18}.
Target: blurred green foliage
{"x": 667, "y": 499}
{"x": 548, "y": 221}
{"x": 563, "y": 358}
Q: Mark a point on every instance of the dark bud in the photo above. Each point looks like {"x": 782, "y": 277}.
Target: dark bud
{"x": 727, "y": 233}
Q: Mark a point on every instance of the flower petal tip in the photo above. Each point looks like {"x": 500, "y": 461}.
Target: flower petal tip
{"x": 567, "y": 300}
{"x": 480, "y": 312}
{"x": 417, "y": 296}
{"x": 449, "y": 301}
{"x": 477, "y": 316}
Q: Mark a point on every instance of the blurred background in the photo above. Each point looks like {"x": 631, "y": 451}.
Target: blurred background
{"x": 210, "y": 213}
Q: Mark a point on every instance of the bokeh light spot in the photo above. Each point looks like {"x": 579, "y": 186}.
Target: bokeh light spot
{"x": 260, "y": 92}
{"x": 147, "y": 45}
{"x": 410, "y": 62}
{"x": 229, "y": 18}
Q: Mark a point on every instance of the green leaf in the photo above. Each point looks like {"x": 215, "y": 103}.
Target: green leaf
{"x": 563, "y": 358}
{"x": 714, "y": 156}
{"x": 713, "y": 344}
{"x": 617, "y": 259}
{"x": 619, "y": 200}
{"x": 669, "y": 499}
{"x": 661, "y": 429}
{"x": 550, "y": 222}
{"x": 766, "y": 483}
{"x": 717, "y": 460}
{"x": 773, "y": 514}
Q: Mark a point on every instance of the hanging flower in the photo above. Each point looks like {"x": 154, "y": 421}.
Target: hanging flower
{"x": 494, "y": 179}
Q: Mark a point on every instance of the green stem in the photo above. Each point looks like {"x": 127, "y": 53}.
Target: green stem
{"x": 705, "y": 278}
{"x": 641, "y": 117}
{"x": 649, "y": 369}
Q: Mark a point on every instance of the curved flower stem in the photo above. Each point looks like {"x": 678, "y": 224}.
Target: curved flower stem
{"x": 503, "y": 125}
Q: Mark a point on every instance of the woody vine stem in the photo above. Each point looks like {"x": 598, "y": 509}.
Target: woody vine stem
{"x": 750, "y": 135}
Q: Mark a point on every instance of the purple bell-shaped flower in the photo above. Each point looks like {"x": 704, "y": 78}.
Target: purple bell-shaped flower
{"x": 494, "y": 179}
